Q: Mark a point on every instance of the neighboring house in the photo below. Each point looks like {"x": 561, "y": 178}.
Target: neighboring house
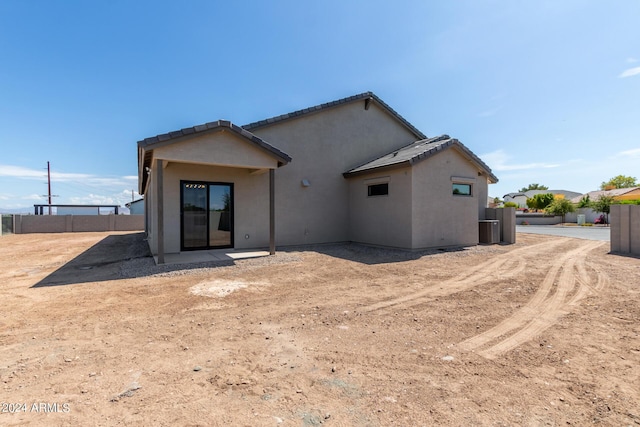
{"x": 521, "y": 198}
{"x": 618, "y": 194}
{"x": 136, "y": 207}
{"x": 348, "y": 170}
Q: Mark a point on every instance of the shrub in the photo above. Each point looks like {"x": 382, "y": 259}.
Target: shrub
{"x": 584, "y": 202}
{"x": 560, "y": 207}
{"x": 511, "y": 205}
{"x": 540, "y": 201}
{"x": 627, "y": 202}
{"x": 603, "y": 205}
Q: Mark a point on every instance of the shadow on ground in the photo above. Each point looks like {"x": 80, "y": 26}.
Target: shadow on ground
{"x": 124, "y": 256}
{"x": 372, "y": 255}
{"x": 625, "y": 254}
{"x": 127, "y": 256}
{"x": 100, "y": 262}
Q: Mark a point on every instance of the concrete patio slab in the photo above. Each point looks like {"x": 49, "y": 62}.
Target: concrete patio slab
{"x": 214, "y": 255}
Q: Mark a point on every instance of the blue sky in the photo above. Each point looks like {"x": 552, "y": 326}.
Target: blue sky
{"x": 542, "y": 91}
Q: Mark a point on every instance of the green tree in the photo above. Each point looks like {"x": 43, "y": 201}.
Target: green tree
{"x": 585, "y": 202}
{"x": 603, "y": 205}
{"x": 534, "y": 186}
{"x": 540, "y": 201}
{"x": 620, "y": 181}
{"x": 560, "y": 207}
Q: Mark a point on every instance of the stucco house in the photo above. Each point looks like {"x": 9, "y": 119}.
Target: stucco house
{"x": 618, "y": 194}
{"x": 348, "y": 170}
{"x": 521, "y": 198}
{"x": 136, "y": 207}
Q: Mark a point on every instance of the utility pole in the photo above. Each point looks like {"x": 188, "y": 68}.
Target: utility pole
{"x": 49, "y": 195}
{"x": 49, "y": 184}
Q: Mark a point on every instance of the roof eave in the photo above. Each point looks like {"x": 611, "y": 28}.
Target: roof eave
{"x": 318, "y": 108}
{"x": 399, "y": 165}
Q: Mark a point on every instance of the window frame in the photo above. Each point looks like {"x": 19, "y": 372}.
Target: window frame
{"x": 462, "y": 184}
{"x": 379, "y": 185}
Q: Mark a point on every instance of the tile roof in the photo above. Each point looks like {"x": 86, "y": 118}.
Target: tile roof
{"x": 416, "y": 152}
{"x": 146, "y": 146}
{"x": 317, "y": 108}
{"x": 594, "y": 195}
{"x": 149, "y": 143}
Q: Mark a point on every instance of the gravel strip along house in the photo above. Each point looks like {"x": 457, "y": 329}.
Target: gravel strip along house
{"x": 349, "y": 170}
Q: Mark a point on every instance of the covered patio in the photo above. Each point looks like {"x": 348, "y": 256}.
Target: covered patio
{"x": 206, "y": 188}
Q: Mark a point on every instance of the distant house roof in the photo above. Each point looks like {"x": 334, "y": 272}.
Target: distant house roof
{"x": 512, "y": 195}
{"x": 417, "y": 152}
{"x": 366, "y": 96}
{"x": 146, "y": 146}
{"x": 594, "y": 195}
{"x": 531, "y": 193}
{"x": 134, "y": 202}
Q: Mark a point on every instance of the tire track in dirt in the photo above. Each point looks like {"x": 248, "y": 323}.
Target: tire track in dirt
{"x": 505, "y": 265}
{"x": 546, "y": 306}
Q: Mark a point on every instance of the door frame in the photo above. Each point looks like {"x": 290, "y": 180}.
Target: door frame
{"x": 231, "y": 214}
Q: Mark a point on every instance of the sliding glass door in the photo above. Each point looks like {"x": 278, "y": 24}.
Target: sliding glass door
{"x": 207, "y": 215}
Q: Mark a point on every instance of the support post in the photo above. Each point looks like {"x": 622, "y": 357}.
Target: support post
{"x": 160, "y": 210}
{"x": 272, "y": 213}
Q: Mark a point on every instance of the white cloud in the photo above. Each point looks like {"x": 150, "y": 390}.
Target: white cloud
{"x": 26, "y": 173}
{"x": 33, "y": 197}
{"x": 88, "y": 179}
{"x": 500, "y": 161}
{"x": 120, "y": 198}
{"x": 631, "y": 60}
{"x": 20, "y": 172}
{"x": 630, "y": 72}
{"x": 635, "y": 152}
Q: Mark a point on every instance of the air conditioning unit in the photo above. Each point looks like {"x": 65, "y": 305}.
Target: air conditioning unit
{"x": 489, "y": 231}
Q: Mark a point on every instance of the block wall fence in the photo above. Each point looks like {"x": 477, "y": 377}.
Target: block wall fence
{"x": 625, "y": 229}
{"x": 25, "y": 224}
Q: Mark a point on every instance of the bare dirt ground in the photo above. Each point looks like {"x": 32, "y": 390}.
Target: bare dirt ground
{"x": 543, "y": 332}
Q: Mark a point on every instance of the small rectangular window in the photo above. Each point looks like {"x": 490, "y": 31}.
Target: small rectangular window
{"x": 378, "y": 190}
{"x": 462, "y": 189}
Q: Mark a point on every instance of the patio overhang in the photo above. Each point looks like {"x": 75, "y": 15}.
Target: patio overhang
{"x": 216, "y": 144}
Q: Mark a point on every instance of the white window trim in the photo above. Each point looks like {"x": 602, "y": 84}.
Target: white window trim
{"x": 462, "y": 180}
{"x": 377, "y": 180}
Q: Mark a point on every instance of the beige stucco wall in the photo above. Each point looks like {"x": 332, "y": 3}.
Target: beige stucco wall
{"x": 381, "y": 220}
{"x": 251, "y": 203}
{"x": 482, "y": 195}
{"x": 25, "y": 224}
{"x": 625, "y": 229}
{"x": 419, "y": 212}
{"x": 323, "y": 146}
{"x": 222, "y": 147}
{"x": 440, "y": 218}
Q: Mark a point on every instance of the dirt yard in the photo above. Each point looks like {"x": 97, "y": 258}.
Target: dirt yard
{"x": 543, "y": 332}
